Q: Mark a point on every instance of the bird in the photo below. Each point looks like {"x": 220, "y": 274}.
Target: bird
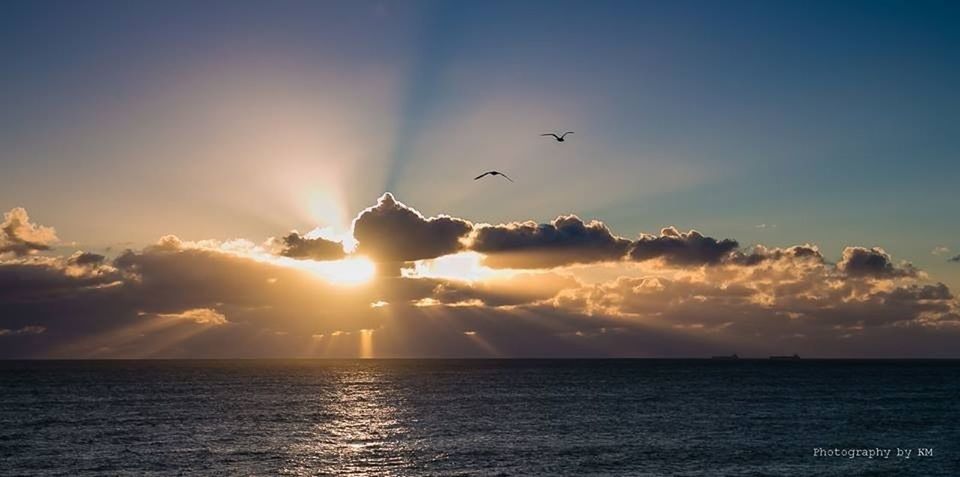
{"x": 493, "y": 173}
{"x": 558, "y": 138}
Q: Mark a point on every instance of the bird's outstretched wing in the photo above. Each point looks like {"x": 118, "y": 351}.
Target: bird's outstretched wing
{"x": 481, "y": 176}
{"x": 505, "y": 177}
{"x": 565, "y": 134}
{"x": 551, "y": 134}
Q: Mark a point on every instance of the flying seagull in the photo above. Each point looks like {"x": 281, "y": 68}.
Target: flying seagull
{"x": 558, "y": 138}
{"x": 493, "y": 173}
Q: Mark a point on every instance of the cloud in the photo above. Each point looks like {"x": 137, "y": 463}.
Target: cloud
{"x": 235, "y": 299}
{"x": 201, "y": 316}
{"x": 784, "y": 306}
{"x": 862, "y": 261}
{"x": 393, "y": 232}
{"x": 567, "y": 240}
{"x": 26, "y": 330}
{"x": 86, "y": 259}
{"x": 940, "y": 250}
{"x": 679, "y": 248}
{"x": 21, "y": 237}
{"x": 761, "y": 254}
{"x": 954, "y": 259}
{"x": 33, "y": 279}
{"x": 295, "y": 245}
{"x": 184, "y": 293}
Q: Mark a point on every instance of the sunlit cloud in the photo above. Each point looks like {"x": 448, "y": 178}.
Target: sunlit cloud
{"x": 200, "y": 316}
{"x": 940, "y": 250}
{"x": 685, "y": 294}
{"x": 19, "y": 236}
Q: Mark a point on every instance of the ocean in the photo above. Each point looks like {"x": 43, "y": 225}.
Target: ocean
{"x": 480, "y": 417}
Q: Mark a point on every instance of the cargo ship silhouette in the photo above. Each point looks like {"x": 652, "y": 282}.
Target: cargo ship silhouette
{"x": 793, "y": 357}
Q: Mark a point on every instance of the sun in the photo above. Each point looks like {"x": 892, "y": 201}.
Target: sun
{"x": 349, "y": 271}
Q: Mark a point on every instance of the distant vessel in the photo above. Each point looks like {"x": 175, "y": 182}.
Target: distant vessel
{"x": 727, "y": 358}
{"x": 793, "y": 357}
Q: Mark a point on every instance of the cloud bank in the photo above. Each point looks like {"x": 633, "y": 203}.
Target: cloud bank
{"x": 520, "y": 289}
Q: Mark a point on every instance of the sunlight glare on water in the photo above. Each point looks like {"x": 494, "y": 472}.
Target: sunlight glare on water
{"x": 364, "y": 436}
{"x": 471, "y": 417}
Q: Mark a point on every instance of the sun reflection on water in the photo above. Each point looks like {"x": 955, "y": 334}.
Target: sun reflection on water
{"x": 362, "y": 433}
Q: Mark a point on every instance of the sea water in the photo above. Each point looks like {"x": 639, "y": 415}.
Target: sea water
{"x": 479, "y": 417}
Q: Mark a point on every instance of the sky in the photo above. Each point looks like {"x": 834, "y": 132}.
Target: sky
{"x": 755, "y": 177}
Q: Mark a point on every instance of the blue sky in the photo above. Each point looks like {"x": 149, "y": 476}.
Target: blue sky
{"x": 837, "y": 122}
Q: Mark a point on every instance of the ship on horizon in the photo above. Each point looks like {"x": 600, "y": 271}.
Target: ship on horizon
{"x": 726, "y": 357}
{"x": 793, "y": 357}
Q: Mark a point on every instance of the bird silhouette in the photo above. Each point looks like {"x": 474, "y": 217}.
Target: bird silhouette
{"x": 558, "y": 138}
{"x": 493, "y": 173}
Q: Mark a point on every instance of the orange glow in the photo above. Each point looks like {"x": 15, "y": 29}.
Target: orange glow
{"x": 349, "y": 271}
{"x": 366, "y": 343}
{"x": 464, "y": 266}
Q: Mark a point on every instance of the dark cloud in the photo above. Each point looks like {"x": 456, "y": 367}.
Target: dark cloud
{"x": 566, "y": 240}
{"x": 760, "y": 254}
{"x": 45, "y": 278}
{"x": 873, "y": 262}
{"x": 295, "y": 245}
{"x": 85, "y": 259}
{"x": 21, "y": 237}
{"x": 393, "y": 232}
{"x": 679, "y": 248}
{"x": 954, "y": 259}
